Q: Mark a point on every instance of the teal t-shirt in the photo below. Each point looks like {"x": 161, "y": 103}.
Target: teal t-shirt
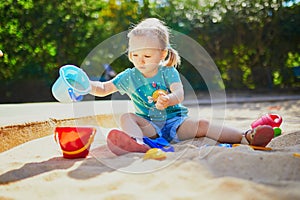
{"x": 141, "y": 90}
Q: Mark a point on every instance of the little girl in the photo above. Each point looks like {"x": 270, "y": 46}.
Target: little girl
{"x": 156, "y": 91}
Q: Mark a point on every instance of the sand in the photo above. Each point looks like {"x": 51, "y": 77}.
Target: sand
{"x": 33, "y": 168}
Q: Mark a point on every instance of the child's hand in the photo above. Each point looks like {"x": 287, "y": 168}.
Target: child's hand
{"x": 162, "y": 101}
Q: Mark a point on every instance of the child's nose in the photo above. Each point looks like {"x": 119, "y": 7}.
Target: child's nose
{"x": 141, "y": 60}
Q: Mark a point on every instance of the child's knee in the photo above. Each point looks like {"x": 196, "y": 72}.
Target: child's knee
{"x": 202, "y": 127}
{"x": 127, "y": 116}
{"x": 203, "y": 123}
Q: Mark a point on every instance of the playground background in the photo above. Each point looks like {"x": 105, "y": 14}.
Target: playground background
{"x": 254, "y": 43}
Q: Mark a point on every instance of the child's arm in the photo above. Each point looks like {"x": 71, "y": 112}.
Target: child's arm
{"x": 175, "y": 97}
{"x": 102, "y": 88}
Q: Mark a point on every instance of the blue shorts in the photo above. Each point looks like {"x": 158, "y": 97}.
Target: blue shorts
{"x": 167, "y": 129}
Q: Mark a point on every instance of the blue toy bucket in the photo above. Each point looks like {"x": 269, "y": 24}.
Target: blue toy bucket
{"x": 71, "y": 84}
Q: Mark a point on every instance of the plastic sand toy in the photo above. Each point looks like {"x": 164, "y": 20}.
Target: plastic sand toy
{"x": 273, "y": 120}
{"x": 156, "y": 154}
{"x": 74, "y": 142}
{"x": 71, "y": 85}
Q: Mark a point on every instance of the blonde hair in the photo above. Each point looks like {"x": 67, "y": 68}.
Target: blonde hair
{"x": 155, "y": 27}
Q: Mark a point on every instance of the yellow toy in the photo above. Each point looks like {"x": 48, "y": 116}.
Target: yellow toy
{"x": 156, "y": 94}
{"x": 156, "y": 154}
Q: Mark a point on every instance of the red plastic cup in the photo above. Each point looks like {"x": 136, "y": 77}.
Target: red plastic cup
{"x": 273, "y": 120}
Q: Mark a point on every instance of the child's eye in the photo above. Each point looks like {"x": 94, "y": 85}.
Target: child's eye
{"x": 146, "y": 56}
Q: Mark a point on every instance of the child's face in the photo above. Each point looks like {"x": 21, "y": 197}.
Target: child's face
{"x": 146, "y": 54}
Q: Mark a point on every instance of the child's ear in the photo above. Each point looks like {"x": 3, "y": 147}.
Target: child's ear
{"x": 130, "y": 57}
{"x": 164, "y": 54}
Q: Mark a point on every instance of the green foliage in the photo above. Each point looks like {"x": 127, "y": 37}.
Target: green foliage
{"x": 293, "y": 59}
{"x": 37, "y": 37}
{"x": 253, "y": 42}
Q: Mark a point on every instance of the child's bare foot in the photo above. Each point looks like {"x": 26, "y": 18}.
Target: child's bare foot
{"x": 260, "y": 136}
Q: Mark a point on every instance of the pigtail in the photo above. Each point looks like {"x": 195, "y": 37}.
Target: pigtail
{"x": 173, "y": 58}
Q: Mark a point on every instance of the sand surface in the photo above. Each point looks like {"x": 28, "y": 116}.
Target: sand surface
{"x": 35, "y": 169}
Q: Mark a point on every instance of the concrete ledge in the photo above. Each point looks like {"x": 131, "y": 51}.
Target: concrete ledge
{"x": 240, "y": 99}
{"x": 37, "y": 112}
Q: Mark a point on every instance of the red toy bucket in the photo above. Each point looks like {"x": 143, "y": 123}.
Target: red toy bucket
{"x": 74, "y": 142}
